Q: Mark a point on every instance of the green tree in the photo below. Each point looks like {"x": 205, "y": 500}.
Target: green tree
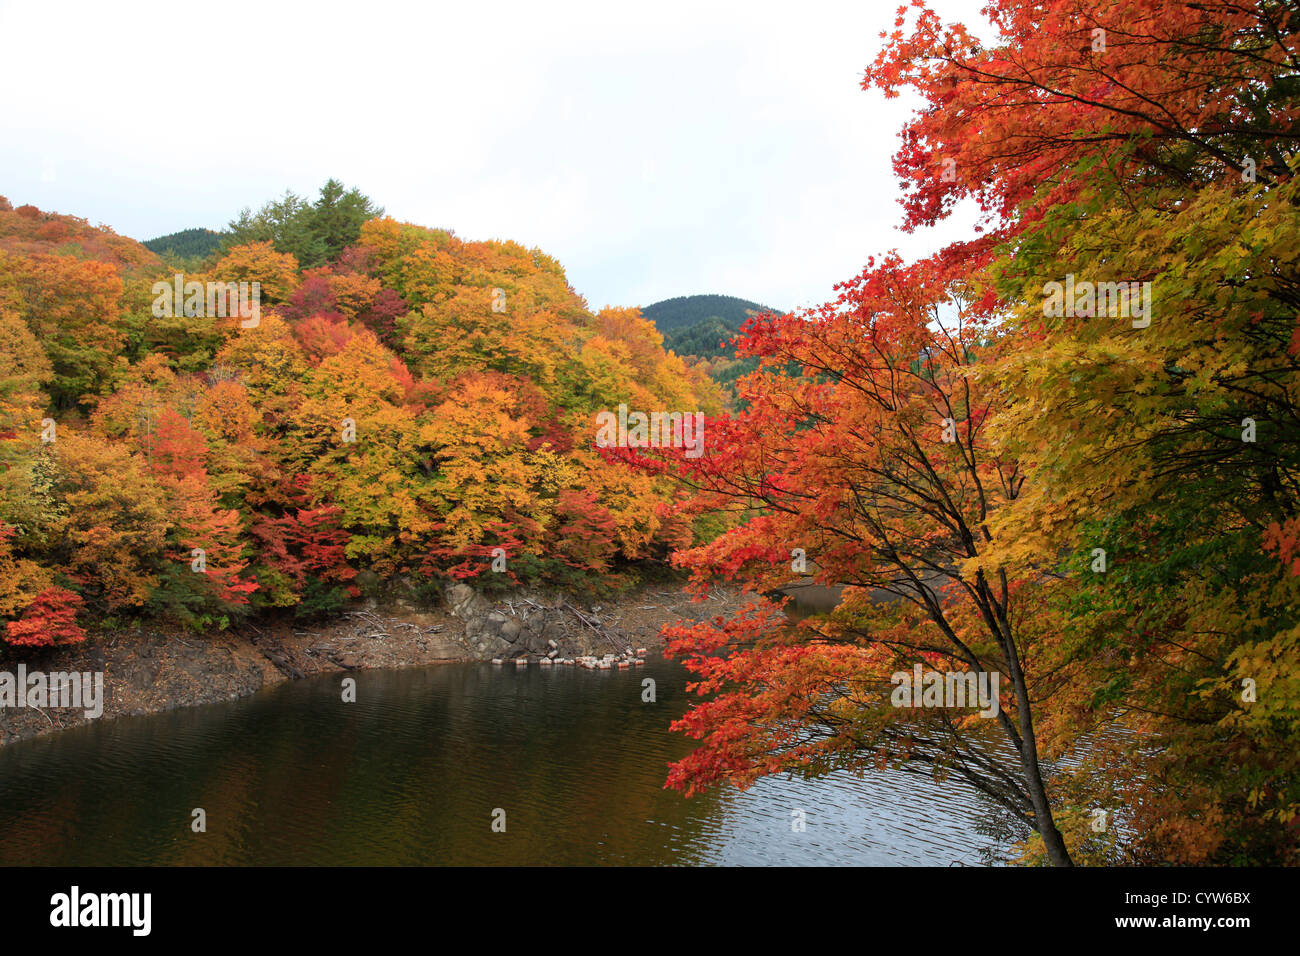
{"x": 337, "y": 216}
{"x": 312, "y": 232}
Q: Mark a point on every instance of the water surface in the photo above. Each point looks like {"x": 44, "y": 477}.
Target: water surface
{"x": 412, "y": 772}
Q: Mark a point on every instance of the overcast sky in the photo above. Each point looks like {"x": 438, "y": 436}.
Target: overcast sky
{"x": 656, "y": 150}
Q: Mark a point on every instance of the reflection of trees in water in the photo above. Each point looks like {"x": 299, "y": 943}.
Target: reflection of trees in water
{"x": 986, "y": 761}
{"x": 409, "y": 774}
{"x": 1085, "y": 763}
{"x": 1003, "y": 829}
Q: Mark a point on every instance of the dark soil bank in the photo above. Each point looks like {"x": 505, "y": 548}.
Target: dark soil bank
{"x": 151, "y": 668}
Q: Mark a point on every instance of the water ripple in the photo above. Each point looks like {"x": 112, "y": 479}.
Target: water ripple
{"x": 414, "y": 771}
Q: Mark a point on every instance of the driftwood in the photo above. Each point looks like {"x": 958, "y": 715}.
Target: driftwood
{"x": 368, "y": 616}
{"x": 283, "y": 664}
{"x": 339, "y": 659}
{"x": 599, "y": 630}
{"x": 276, "y": 654}
{"x": 383, "y": 626}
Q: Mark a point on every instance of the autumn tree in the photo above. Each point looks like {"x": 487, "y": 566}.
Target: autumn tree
{"x": 73, "y": 308}
{"x": 109, "y": 530}
{"x": 311, "y": 232}
{"x": 1072, "y": 94}
{"x": 303, "y": 558}
{"x": 874, "y": 464}
{"x": 49, "y": 621}
{"x": 1143, "y": 146}
{"x": 24, "y": 372}
{"x": 276, "y": 272}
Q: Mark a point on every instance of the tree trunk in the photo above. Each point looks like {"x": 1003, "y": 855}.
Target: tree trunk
{"x": 1052, "y": 839}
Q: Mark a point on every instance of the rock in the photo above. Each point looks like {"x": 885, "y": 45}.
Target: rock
{"x": 510, "y": 630}
{"x": 464, "y": 602}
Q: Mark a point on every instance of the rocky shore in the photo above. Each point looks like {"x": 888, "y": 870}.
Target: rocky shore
{"x": 148, "y": 668}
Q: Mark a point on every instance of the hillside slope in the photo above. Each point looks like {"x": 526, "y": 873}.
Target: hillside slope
{"x": 686, "y": 310}
{"x": 28, "y": 231}
{"x": 196, "y": 243}
{"x": 419, "y": 409}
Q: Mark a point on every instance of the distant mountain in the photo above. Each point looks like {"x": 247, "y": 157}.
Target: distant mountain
{"x": 698, "y": 324}
{"x": 188, "y": 243}
{"x": 685, "y": 310}
{"x": 697, "y": 327}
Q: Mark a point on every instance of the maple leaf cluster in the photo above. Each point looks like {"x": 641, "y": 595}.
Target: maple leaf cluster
{"x": 1100, "y": 510}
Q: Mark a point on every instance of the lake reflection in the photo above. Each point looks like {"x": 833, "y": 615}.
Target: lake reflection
{"x": 412, "y": 772}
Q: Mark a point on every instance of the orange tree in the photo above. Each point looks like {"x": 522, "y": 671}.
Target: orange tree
{"x": 1143, "y": 141}
{"x": 873, "y": 463}
{"x": 1153, "y": 142}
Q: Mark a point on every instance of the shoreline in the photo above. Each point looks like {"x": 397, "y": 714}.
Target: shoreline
{"x": 150, "y": 668}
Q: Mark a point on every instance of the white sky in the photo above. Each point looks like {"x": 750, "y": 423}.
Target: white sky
{"x": 656, "y": 150}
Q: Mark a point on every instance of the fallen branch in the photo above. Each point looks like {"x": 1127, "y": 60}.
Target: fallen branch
{"x": 578, "y": 614}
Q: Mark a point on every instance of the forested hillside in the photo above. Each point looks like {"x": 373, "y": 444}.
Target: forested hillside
{"x": 700, "y": 328}
{"x": 670, "y": 315}
{"x": 186, "y": 244}
{"x": 415, "y": 406}
{"x": 28, "y": 231}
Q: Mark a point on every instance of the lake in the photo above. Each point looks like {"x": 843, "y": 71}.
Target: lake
{"x": 412, "y": 772}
